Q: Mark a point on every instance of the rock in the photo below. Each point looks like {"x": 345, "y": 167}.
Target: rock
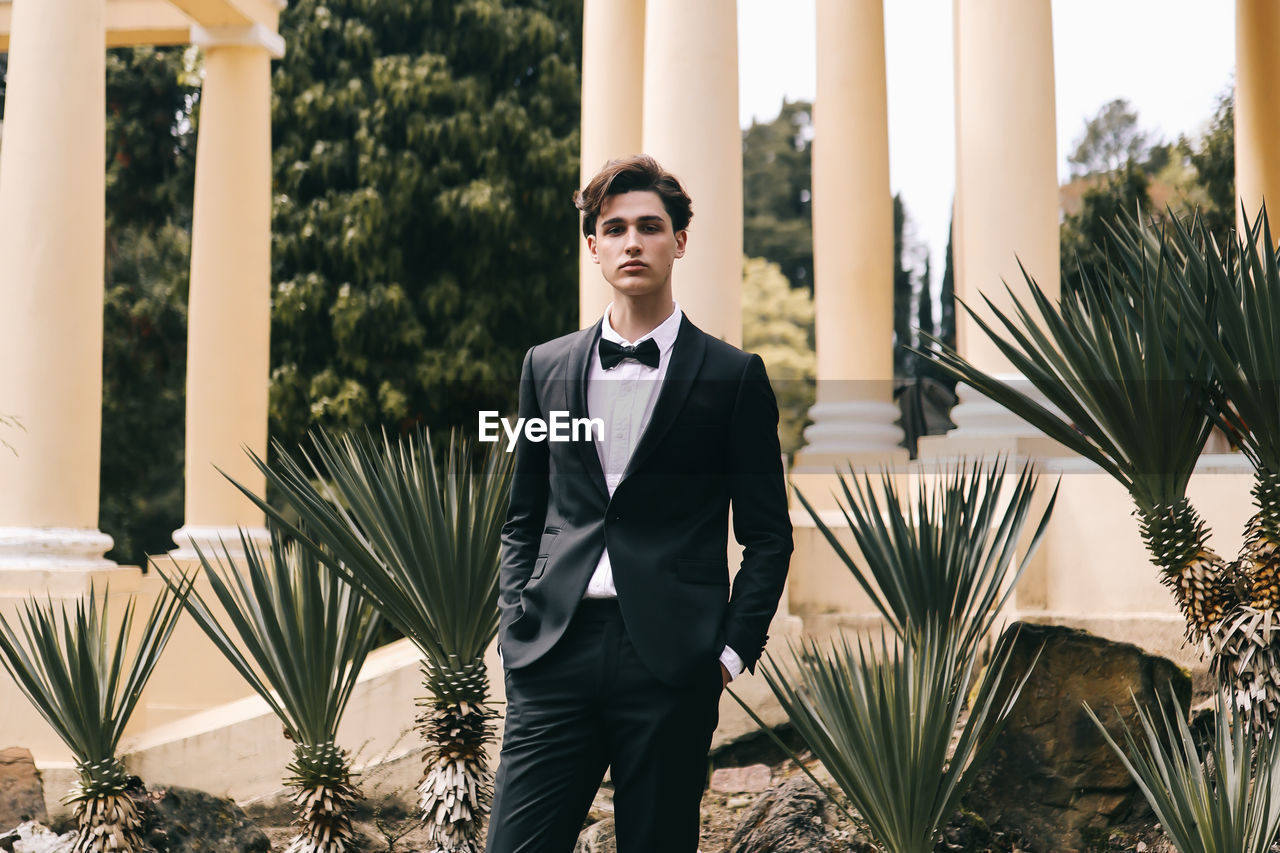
{"x": 1051, "y": 774}
{"x": 752, "y": 779}
{"x": 788, "y": 819}
{"x": 21, "y": 791}
{"x": 597, "y": 838}
{"x": 34, "y": 837}
{"x": 181, "y": 820}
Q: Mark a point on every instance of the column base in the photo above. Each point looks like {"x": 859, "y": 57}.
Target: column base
{"x": 855, "y": 432}
{"x": 216, "y": 542}
{"x": 978, "y": 416}
{"x": 58, "y": 549}
{"x": 985, "y": 428}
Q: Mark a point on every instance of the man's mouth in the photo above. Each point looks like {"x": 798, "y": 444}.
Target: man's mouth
{"x": 634, "y": 265}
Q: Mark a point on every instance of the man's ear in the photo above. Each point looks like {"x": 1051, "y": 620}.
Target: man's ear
{"x": 591, "y": 247}
{"x": 682, "y": 237}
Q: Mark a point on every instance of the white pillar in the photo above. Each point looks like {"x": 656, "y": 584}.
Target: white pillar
{"x": 1006, "y": 181}
{"x": 612, "y": 105}
{"x": 229, "y": 319}
{"x": 854, "y": 415}
{"x": 691, "y": 128}
{"x": 1258, "y": 109}
{"x": 52, "y": 191}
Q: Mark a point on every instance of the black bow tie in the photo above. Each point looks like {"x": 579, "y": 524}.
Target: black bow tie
{"x": 645, "y": 352}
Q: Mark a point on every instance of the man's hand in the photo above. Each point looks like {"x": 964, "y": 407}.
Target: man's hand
{"x": 724, "y": 677}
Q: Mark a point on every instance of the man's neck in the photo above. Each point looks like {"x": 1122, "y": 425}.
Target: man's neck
{"x": 635, "y": 318}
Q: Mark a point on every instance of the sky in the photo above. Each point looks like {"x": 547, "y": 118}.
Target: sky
{"x": 1169, "y": 58}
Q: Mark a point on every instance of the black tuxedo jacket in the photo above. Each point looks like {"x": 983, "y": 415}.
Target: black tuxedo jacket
{"x": 712, "y": 441}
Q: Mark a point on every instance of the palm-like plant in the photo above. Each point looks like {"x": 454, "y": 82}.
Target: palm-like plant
{"x": 422, "y": 544}
{"x": 943, "y": 560}
{"x": 83, "y": 684}
{"x": 299, "y": 635}
{"x": 1181, "y": 335}
{"x": 1240, "y": 331}
{"x": 881, "y": 721}
{"x": 1133, "y": 390}
{"x": 1226, "y": 800}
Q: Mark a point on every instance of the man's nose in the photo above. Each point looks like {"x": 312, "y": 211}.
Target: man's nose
{"x": 633, "y": 240}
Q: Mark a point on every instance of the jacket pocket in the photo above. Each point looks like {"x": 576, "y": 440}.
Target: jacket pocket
{"x": 703, "y": 571}
{"x": 539, "y": 566}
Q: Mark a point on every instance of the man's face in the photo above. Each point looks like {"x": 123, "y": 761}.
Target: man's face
{"x": 634, "y": 243}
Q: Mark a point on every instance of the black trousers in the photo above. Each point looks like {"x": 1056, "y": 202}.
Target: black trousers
{"x": 589, "y": 704}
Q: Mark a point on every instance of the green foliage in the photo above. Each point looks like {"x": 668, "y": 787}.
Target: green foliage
{"x": 1129, "y": 387}
{"x": 1214, "y": 160}
{"x": 777, "y": 324}
{"x": 144, "y": 390}
{"x": 425, "y": 156}
{"x": 882, "y": 719}
{"x": 150, "y": 175}
{"x": 912, "y": 298}
{"x": 1084, "y": 236}
{"x": 1223, "y": 798}
{"x": 1118, "y": 171}
{"x": 293, "y": 630}
{"x": 1241, "y": 283}
{"x": 420, "y": 540}
{"x": 941, "y": 562}
{"x": 150, "y": 168}
{"x": 777, "y": 220}
{"x": 66, "y": 664}
{"x": 1111, "y": 140}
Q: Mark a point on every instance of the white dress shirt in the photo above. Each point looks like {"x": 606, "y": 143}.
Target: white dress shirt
{"x": 623, "y": 397}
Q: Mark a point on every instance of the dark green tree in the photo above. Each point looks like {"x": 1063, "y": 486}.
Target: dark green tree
{"x": 777, "y": 220}
{"x": 1214, "y": 159}
{"x": 1111, "y": 139}
{"x": 150, "y": 168}
{"x": 423, "y": 232}
{"x": 1084, "y": 235}
{"x": 924, "y": 305}
{"x": 1127, "y": 175}
{"x": 902, "y": 292}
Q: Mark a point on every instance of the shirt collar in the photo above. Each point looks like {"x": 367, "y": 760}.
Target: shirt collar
{"x": 664, "y": 335}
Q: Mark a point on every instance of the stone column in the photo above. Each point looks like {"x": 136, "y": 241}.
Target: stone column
{"x": 691, "y": 127}
{"x": 52, "y": 209}
{"x": 854, "y": 415}
{"x": 1006, "y": 181}
{"x": 612, "y": 108}
{"x": 1257, "y": 109}
{"x": 228, "y": 359}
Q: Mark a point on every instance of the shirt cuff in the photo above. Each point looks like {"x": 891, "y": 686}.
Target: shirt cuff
{"x": 732, "y": 662}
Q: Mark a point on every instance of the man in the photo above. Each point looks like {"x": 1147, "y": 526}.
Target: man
{"x": 619, "y": 629}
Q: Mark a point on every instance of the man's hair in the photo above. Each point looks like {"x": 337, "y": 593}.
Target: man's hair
{"x": 631, "y": 174}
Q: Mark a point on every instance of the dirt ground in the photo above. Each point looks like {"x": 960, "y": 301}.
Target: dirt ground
{"x": 385, "y": 825}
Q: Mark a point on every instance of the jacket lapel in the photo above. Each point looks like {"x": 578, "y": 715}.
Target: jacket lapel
{"x": 577, "y": 371}
{"x": 686, "y": 360}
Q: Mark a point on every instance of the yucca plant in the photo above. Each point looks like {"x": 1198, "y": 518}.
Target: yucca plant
{"x": 1132, "y": 390}
{"x": 299, "y": 635}
{"x": 86, "y": 686}
{"x": 422, "y": 542}
{"x": 1181, "y": 335}
{"x": 881, "y": 720}
{"x": 1239, "y": 285}
{"x": 1222, "y": 799}
{"x": 944, "y": 557}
